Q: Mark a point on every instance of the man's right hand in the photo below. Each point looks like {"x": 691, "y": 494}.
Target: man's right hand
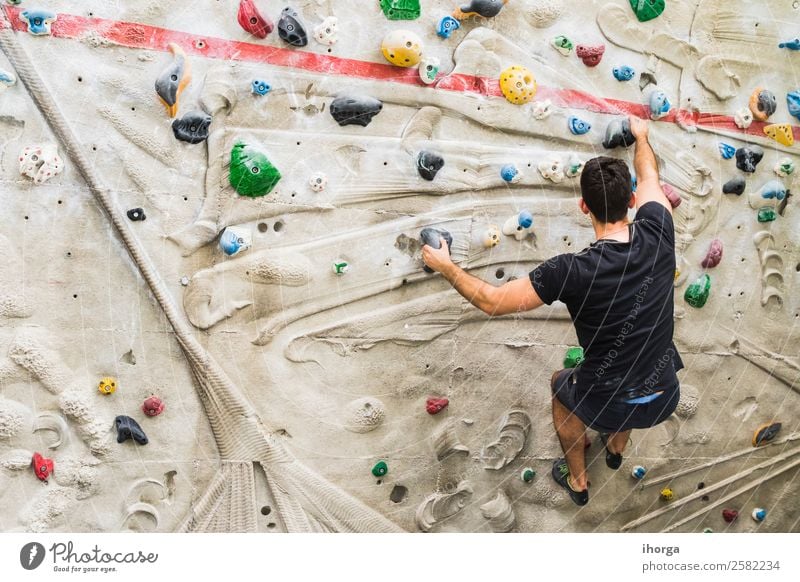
{"x": 639, "y": 127}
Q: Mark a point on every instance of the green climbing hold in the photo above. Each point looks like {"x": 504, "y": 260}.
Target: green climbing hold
{"x": 401, "y": 9}
{"x": 573, "y": 357}
{"x": 380, "y": 469}
{"x": 648, "y": 9}
{"x": 708, "y": 530}
{"x": 527, "y": 474}
{"x": 766, "y": 214}
{"x": 697, "y": 293}
{"x": 251, "y": 173}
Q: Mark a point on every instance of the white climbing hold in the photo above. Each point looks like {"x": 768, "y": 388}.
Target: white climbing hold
{"x": 552, "y": 169}
{"x": 318, "y": 182}
{"x": 743, "y": 118}
{"x": 327, "y": 32}
{"x": 40, "y": 162}
{"x": 541, "y": 110}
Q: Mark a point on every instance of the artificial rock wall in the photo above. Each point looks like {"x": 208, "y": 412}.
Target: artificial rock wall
{"x": 283, "y": 383}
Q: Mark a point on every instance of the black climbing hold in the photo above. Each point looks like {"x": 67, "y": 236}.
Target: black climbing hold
{"x": 355, "y": 109}
{"x": 734, "y": 186}
{"x": 429, "y": 164}
{"x": 291, "y": 29}
{"x": 748, "y": 157}
{"x": 783, "y": 203}
{"x": 136, "y": 214}
{"x": 192, "y": 127}
{"x": 430, "y": 236}
{"x": 127, "y": 428}
{"x": 618, "y": 134}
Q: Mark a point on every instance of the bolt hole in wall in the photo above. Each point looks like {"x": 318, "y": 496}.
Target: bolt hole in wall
{"x": 278, "y": 226}
{"x": 398, "y": 494}
{"x": 263, "y": 227}
{"x": 500, "y": 273}
{"x": 266, "y": 510}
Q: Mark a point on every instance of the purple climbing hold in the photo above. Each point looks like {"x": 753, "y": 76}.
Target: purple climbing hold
{"x": 713, "y": 256}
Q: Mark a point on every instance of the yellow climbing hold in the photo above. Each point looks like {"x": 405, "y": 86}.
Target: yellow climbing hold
{"x": 107, "y": 386}
{"x": 667, "y": 494}
{"x": 518, "y": 85}
{"x": 402, "y": 48}
{"x": 781, "y": 133}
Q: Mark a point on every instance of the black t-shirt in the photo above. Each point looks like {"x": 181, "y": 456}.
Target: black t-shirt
{"x": 620, "y": 298}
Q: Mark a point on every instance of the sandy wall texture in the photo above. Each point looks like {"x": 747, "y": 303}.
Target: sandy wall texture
{"x": 280, "y": 383}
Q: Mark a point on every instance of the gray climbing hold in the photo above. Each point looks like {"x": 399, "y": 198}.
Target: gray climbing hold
{"x": 734, "y": 186}
{"x": 429, "y": 164}
{"x": 291, "y": 28}
{"x": 618, "y": 134}
{"x": 748, "y": 157}
{"x": 192, "y": 127}
{"x": 431, "y": 237}
{"x": 127, "y": 429}
{"x": 355, "y": 109}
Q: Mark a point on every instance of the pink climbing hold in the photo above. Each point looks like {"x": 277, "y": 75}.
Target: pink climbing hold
{"x": 672, "y": 195}
{"x": 714, "y": 255}
{"x": 42, "y": 466}
{"x": 153, "y": 406}
{"x": 730, "y": 515}
{"x": 436, "y": 405}
{"x": 252, "y": 20}
{"x": 590, "y": 55}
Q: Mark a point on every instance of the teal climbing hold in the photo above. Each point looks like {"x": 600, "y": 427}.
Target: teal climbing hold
{"x": 527, "y": 475}
{"x": 401, "y": 9}
{"x": 697, "y": 293}
{"x": 380, "y": 469}
{"x": 251, "y": 173}
{"x": 648, "y": 9}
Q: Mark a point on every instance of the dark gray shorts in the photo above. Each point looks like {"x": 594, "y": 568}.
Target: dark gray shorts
{"x": 611, "y": 414}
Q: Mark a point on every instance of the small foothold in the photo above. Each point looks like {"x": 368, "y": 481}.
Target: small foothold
{"x": 578, "y": 126}
{"x": 574, "y": 357}
{"x": 697, "y": 293}
{"x": 42, "y": 467}
{"x": 618, "y": 134}
{"x": 192, "y": 127}
{"x": 260, "y": 87}
{"x": 485, "y": 8}
{"x": 672, "y": 195}
{"x": 767, "y": 214}
{"x": 107, "y": 386}
{"x": 447, "y": 26}
{"x": 792, "y": 45}
{"x": 318, "y": 182}
{"x": 542, "y": 109}
{"x": 518, "y": 85}
{"x": 355, "y": 109}
{"x": 153, "y": 406}
{"x": 648, "y": 9}
{"x": 235, "y": 240}
{"x": 726, "y": 151}
{"x": 40, "y": 162}
{"x": 793, "y": 103}
{"x": 429, "y": 69}
{"x": 380, "y": 469}
{"x": 490, "y": 237}
{"x": 402, "y": 48}
{"x": 667, "y": 494}
{"x": 781, "y": 133}
{"x": 659, "y": 105}
{"x": 291, "y": 28}
{"x": 734, "y": 186}
{"x": 713, "y": 256}
{"x": 340, "y": 267}
{"x": 624, "y": 73}
{"x": 785, "y": 167}
{"x": 527, "y": 475}
{"x": 574, "y": 166}
{"x": 766, "y": 433}
{"x": 743, "y": 118}
{"x": 563, "y": 45}
{"x": 174, "y": 79}
{"x": 251, "y": 19}
{"x": 127, "y": 428}
{"x": 136, "y": 214}
{"x": 519, "y": 226}
{"x": 327, "y": 32}
{"x": 748, "y": 157}
{"x": 510, "y": 174}
{"x": 638, "y": 472}
{"x": 6, "y": 80}
{"x": 730, "y": 515}
{"x": 432, "y": 237}
{"x": 590, "y": 55}
{"x": 436, "y": 405}
{"x": 552, "y": 169}
{"x": 708, "y": 530}
{"x": 185, "y": 281}
{"x": 401, "y": 9}
{"x": 38, "y": 21}
{"x": 763, "y": 103}
{"x": 429, "y": 164}
{"x": 251, "y": 173}
{"x": 759, "y": 514}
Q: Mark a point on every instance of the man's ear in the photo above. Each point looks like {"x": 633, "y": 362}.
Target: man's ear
{"x": 632, "y": 203}
{"x": 583, "y": 207}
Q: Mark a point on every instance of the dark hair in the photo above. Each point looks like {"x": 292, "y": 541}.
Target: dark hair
{"x": 606, "y": 188}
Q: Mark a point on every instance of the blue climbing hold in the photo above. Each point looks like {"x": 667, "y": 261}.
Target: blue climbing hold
{"x": 578, "y": 126}
{"x": 634, "y": 182}
{"x": 793, "y": 45}
{"x": 773, "y": 189}
{"x": 38, "y": 21}
{"x": 509, "y": 173}
{"x": 793, "y": 102}
{"x": 624, "y": 73}
{"x": 261, "y": 88}
{"x": 659, "y": 105}
{"x": 727, "y": 151}
{"x": 447, "y": 26}
{"x": 525, "y": 219}
{"x": 7, "y": 78}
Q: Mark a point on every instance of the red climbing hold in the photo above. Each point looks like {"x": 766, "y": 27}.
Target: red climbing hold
{"x": 153, "y": 406}
{"x": 252, "y": 20}
{"x": 42, "y": 466}
{"x": 590, "y": 55}
{"x": 436, "y": 405}
{"x": 730, "y": 515}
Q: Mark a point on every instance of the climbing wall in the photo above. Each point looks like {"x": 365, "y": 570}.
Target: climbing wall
{"x": 219, "y": 263}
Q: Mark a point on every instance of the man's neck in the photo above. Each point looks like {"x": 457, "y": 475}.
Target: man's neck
{"x": 617, "y": 231}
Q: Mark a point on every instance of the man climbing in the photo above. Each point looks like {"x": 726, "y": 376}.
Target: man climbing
{"x": 619, "y": 293}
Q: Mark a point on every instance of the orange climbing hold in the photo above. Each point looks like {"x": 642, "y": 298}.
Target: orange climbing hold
{"x": 518, "y": 85}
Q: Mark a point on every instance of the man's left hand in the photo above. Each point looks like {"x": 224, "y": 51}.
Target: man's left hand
{"x": 437, "y": 259}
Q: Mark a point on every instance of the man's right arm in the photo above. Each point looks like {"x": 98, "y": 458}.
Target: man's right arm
{"x": 648, "y": 187}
